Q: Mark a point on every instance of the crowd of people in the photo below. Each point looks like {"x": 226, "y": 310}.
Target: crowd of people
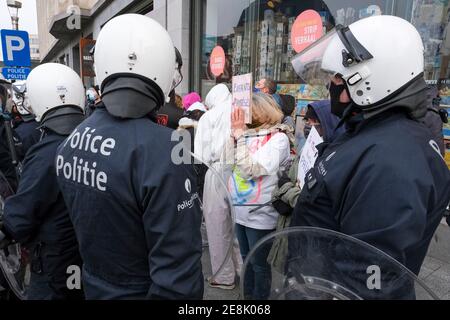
{"x": 99, "y": 187}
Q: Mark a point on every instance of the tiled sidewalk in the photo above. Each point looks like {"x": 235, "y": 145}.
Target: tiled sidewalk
{"x": 436, "y": 268}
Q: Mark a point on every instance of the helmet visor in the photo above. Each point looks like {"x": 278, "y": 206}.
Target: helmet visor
{"x": 177, "y": 79}
{"x": 308, "y": 63}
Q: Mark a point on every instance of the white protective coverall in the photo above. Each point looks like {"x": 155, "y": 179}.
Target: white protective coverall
{"x": 213, "y": 131}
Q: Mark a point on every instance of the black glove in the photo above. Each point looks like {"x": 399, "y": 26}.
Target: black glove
{"x": 4, "y": 239}
{"x": 283, "y": 208}
{"x": 283, "y": 180}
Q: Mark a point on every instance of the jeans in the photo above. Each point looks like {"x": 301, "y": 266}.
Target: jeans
{"x": 258, "y": 275}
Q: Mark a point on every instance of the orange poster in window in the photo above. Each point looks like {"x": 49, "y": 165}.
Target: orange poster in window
{"x": 307, "y": 29}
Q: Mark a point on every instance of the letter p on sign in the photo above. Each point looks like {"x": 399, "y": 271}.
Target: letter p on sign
{"x": 16, "y": 48}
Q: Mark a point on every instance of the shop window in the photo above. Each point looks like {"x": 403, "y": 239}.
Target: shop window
{"x": 256, "y": 37}
{"x": 431, "y": 18}
{"x": 221, "y": 19}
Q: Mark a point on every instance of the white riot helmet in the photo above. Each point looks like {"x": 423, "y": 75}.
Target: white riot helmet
{"x": 53, "y": 86}
{"x": 376, "y": 57}
{"x": 136, "y": 45}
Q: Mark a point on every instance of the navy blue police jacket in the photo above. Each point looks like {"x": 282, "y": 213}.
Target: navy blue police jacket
{"x": 383, "y": 182}
{"x": 37, "y": 216}
{"x": 29, "y": 135}
{"x": 136, "y": 213}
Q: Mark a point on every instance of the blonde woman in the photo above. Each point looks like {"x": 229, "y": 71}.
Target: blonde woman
{"x": 259, "y": 153}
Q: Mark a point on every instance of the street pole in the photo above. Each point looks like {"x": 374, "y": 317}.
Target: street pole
{"x": 15, "y": 23}
{"x": 15, "y": 5}
{"x": 8, "y": 121}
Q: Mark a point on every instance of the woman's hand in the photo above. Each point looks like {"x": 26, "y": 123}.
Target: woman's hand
{"x": 238, "y": 126}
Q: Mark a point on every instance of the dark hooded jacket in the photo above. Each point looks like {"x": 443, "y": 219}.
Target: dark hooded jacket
{"x": 383, "y": 182}
{"x": 328, "y": 121}
{"x": 136, "y": 215}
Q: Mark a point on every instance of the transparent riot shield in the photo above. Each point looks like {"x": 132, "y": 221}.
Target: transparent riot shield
{"x": 14, "y": 262}
{"x": 318, "y": 264}
{"x": 218, "y": 221}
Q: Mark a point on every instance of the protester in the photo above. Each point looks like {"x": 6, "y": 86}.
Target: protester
{"x": 92, "y": 99}
{"x": 135, "y": 211}
{"x": 213, "y": 131}
{"x": 384, "y": 181}
{"x": 179, "y": 102}
{"x": 190, "y": 99}
{"x": 269, "y": 86}
{"x": 36, "y": 216}
{"x": 170, "y": 114}
{"x": 187, "y": 128}
{"x": 259, "y": 157}
{"x": 288, "y": 108}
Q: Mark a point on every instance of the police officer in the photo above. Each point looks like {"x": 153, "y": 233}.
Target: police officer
{"x": 384, "y": 181}
{"x": 36, "y": 216}
{"x": 135, "y": 212}
{"x": 25, "y": 125}
{"x": 7, "y": 168}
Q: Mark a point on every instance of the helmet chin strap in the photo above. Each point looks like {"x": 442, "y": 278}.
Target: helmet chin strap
{"x": 347, "y": 114}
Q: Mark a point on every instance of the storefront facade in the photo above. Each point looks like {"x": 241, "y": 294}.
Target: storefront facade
{"x": 256, "y": 38}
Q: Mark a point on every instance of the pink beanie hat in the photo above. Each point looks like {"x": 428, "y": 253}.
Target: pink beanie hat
{"x": 190, "y": 99}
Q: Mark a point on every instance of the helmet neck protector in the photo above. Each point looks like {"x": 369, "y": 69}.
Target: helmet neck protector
{"x": 130, "y": 96}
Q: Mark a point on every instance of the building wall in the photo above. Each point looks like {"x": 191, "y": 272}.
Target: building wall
{"x": 34, "y": 47}
{"x": 174, "y": 15}
{"x": 46, "y": 40}
{"x": 171, "y": 14}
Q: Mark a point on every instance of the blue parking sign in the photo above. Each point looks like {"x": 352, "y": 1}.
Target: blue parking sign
{"x": 16, "y": 48}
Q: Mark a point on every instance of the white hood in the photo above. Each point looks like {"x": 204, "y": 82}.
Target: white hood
{"x": 217, "y": 96}
{"x": 215, "y": 126}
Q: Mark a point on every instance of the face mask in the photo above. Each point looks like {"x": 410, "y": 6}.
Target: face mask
{"x": 338, "y": 107}
{"x": 91, "y": 97}
{"x": 307, "y": 131}
{"x": 256, "y": 90}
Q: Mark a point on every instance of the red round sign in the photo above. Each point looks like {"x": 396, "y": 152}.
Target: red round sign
{"x": 306, "y": 30}
{"x": 217, "y": 61}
